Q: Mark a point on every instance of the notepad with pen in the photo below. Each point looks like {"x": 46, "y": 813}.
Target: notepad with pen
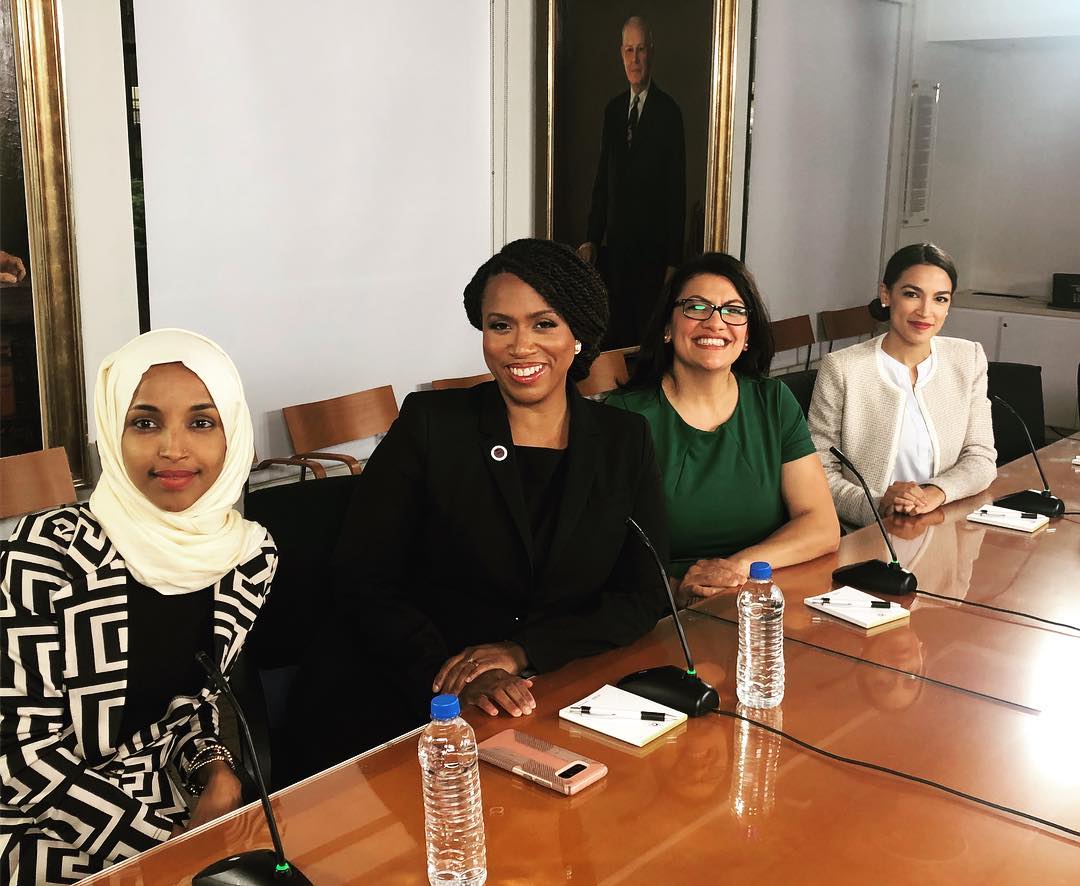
{"x": 858, "y": 608}
{"x": 623, "y": 715}
{"x": 1007, "y": 518}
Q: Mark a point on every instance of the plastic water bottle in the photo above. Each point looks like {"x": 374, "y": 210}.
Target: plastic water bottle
{"x": 453, "y": 810}
{"x": 760, "y": 670}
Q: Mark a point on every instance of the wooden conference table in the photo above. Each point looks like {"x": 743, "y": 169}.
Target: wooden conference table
{"x": 983, "y": 702}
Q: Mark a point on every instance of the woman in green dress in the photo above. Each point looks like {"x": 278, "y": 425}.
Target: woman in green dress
{"x": 741, "y": 476}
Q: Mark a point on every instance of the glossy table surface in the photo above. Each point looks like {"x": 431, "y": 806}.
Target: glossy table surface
{"x": 718, "y": 799}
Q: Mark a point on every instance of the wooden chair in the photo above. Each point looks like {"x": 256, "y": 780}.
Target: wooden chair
{"x": 313, "y": 426}
{"x": 792, "y": 334}
{"x": 35, "y": 481}
{"x": 317, "y": 469}
{"x": 467, "y": 381}
{"x": 607, "y": 373}
{"x": 847, "y": 323}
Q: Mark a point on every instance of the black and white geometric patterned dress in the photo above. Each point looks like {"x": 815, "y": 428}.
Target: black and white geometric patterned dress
{"x": 75, "y": 795}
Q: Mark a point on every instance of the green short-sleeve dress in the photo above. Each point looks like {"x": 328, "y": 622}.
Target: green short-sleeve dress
{"x": 723, "y": 487}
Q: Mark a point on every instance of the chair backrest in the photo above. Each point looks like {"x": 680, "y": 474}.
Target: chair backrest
{"x": 794, "y": 332}
{"x": 35, "y": 481}
{"x": 314, "y": 426}
{"x": 847, "y": 323}
{"x": 1019, "y": 385}
{"x": 607, "y": 373}
{"x": 802, "y": 386}
{"x": 305, "y": 520}
{"x": 466, "y": 381}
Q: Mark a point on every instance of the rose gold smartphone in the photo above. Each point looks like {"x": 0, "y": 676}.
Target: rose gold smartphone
{"x": 541, "y": 761}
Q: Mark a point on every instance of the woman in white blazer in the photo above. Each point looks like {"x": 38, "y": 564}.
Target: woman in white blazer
{"x": 909, "y": 407}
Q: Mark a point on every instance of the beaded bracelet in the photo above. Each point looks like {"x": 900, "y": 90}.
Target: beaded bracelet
{"x": 213, "y": 753}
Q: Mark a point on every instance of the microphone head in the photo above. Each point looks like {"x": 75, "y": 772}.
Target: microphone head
{"x": 215, "y": 675}
{"x": 844, "y": 460}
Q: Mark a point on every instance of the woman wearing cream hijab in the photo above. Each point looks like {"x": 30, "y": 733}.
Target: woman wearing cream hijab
{"x": 104, "y": 606}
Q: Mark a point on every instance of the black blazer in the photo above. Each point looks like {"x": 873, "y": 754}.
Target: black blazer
{"x": 436, "y": 551}
{"x": 639, "y": 196}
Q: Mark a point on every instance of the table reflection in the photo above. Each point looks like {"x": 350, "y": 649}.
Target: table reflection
{"x": 757, "y": 758}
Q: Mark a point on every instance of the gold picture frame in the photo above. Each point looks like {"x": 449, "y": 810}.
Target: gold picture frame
{"x": 39, "y": 80}
{"x": 720, "y": 126}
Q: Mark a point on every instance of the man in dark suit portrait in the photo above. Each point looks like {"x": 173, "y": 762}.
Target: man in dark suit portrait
{"x": 639, "y": 197}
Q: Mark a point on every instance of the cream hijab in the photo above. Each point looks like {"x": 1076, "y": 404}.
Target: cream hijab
{"x": 174, "y": 553}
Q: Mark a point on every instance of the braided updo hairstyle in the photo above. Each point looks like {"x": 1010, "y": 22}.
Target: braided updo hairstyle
{"x": 569, "y": 285}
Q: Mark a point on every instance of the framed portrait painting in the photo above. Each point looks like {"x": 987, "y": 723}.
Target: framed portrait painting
{"x": 635, "y": 107}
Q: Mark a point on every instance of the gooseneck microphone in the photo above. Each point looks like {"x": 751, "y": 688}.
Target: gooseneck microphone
{"x": 257, "y": 866}
{"x": 668, "y": 685}
{"x": 1030, "y": 500}
{"x": 874, "y": 575}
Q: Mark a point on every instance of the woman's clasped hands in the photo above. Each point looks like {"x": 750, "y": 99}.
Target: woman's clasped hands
{"x": 911, "y": 499}
{"x": 706, "y": 578}
{"x": 487, "y": 676}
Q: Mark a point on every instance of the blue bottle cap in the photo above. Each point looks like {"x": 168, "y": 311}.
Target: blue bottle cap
{"x": 760, "y": 570}
{"x": 445, "y": 707}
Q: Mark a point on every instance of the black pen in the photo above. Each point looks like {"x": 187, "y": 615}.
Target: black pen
{"x": 658, "y": 716}
{"x": 873, "y": 604}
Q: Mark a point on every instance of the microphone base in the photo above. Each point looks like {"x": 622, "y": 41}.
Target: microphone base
{"x": 1031, "y": 502}
{"x": 674, "y": 687}
{"x": 257, "y": 867}
{"x": 877, "y": 576}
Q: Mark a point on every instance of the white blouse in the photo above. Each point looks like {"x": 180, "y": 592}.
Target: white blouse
{"x": 915, "y": 454}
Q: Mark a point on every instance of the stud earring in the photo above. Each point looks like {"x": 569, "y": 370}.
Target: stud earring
{"x": 746, "y": 346}
{"x": 667, "y": 338}
{"x": 577, "y": 346}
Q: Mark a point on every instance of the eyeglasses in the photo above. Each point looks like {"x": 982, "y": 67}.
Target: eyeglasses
{"x": 694, "y": 309}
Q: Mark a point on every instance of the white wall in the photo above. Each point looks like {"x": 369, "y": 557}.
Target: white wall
{"x": 100, "y": 180}
{"x": 956, "y": 171}
{"x": 1029, "y": 182}
{"x": 318, "y": 189}
{"x": 1001, "y": 19}
{"x": 822, "y": 122}
{"x": 1006, "y": 185}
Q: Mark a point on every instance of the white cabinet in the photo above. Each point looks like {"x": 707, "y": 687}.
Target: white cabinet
{"x": 1052, "y": 342}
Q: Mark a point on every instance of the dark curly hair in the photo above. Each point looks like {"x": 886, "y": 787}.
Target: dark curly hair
{"x": 656, "y": 355}
{"x": 571, "y": 286}
{"x": 909, "y": 257}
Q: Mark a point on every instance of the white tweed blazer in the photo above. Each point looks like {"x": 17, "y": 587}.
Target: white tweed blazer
{"x": 858, "y": 409}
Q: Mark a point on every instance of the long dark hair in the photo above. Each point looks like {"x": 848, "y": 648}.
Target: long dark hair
{"x": 909, "y": 257}
{"x": 656, "y": 355}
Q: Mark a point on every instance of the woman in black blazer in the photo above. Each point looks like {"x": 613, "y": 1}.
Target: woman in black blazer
{"x": 487, "y": 539}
